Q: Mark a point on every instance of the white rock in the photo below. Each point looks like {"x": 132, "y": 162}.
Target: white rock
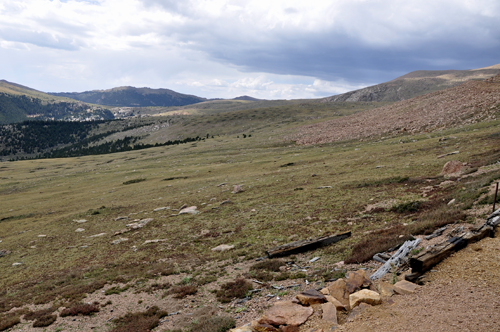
{"x": 80, "y": 221}
{"x": 97, "y": 235}
{"x": 223, "y": 247}
{"x": 161, "y": 208}
{"x": 189, "y": 210}
{"x": 80, "y": 230}
{"x": 17, "y": 264}
{"x": 42, "y": 235}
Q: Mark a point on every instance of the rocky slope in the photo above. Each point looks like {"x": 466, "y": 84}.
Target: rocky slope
{"x": 468, "y": 103}
{"x": 414, "y": 84}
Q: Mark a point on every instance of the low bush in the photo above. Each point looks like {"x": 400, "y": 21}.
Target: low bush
{"x": 116, "y": 290}
{"x": 140, "y": 321}
{"x": 407, "y": 207}
{"x": 214, "y": 324}
{"x": 134, "y": 181}
{"x": 183, "y": 291}
{"x": 80, "y": 309}
{"x": 44, "y": 321}
{"x": 269, "y": 265}
{"x": 376, "y": 242}
{"x": 6, "y": 322}
{"x": 33, "y": 315}
{"x": 237, "y": 289}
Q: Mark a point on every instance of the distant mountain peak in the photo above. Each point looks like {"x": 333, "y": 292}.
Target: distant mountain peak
{"x": 248, "y": 98}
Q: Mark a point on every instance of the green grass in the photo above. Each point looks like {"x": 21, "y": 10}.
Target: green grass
{"x": 44, "y": 197}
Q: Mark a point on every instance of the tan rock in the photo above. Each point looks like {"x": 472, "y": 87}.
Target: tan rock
{"x": 339, "y": 291}
{"x": 405, "y": 287}
{"x": 364, "y": 296}
{"x": 325, "y": 291}
{"x": 329, "y": 312}
{"x": 452, "y": 167}
{"x": 385, "y": 289}
{"x": 311, "y": 296}
{"x": 336, "y": 303}
{"x": 263, "y": 327}
{"x": 357, "y": 280}
{"x": 286, "y": 313}
{"x": 356, "y": 311}
{"x": 245, "y": 328}
{"x": 223, "y": 247}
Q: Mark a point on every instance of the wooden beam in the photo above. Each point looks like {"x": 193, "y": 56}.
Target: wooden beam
{"x": 305, "y": 245}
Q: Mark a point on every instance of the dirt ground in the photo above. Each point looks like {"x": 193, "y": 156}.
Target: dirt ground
{"x": 462, "y": 293}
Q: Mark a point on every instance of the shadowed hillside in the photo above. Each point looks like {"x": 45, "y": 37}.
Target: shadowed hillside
{"x": 128, "y": 96}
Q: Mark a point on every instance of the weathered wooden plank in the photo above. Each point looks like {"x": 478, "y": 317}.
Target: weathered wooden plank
{"x": 426, "y": 260}
{"x": 305, "y": 245}
{"x": 396, "y": 259}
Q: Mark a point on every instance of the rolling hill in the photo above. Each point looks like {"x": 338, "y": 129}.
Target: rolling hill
{"x": 414, "y": 84}
{"x": 128, "y": 96}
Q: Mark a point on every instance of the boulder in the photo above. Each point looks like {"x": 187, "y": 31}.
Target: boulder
{"x": 311, "y": 296}
{"x": 329, "y": 313}
{"x": 405, "y": 287}
{"x": 452, "y": 167}
{"x": 357, "y": 280}
{"x": 339, "y": 291}
{"x": 364, "y": 296}
{"x": 236, "y": 189}
{"x": 189, "y": 210}
{"x": 325, "y": 291}
{"x": 286, "y": 313}
{"x": 336, "y": 303}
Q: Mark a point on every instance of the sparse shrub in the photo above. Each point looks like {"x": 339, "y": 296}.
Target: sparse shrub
{"x": 7, "y": 322}
{"x": 269, "y": 265}
{"x": 33, "y": 315}
{"x": 140, "y": 321}
{"x": 435, "y": 218}
{"x": 262, "y": 275}
{"x": 116, "y": 290}
{"x": 237, "y": 289}
{"x": 44, "y": 321}
{"x": 156, "y": 287}
{"x": 214, "y": 324}
{"x": 376, "y": 242}
{"x": 80, "y": 309}
{"x": 183, "y": 291}
{"x": 299, "y": 275}
{"x": 407, "y": 207}
{"x": 134, "y": 181}
{"x": 206, "y": 279}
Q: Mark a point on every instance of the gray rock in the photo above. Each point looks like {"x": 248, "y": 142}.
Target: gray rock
{"x": 189, "y": 210}
{"x": 223, "y": 247}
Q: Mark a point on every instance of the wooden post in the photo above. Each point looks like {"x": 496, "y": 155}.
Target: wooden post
{"x": 495, "y": 200}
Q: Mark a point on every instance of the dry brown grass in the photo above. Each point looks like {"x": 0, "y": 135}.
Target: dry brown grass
{"x": 140, "y": 321}
{"x": 231, "y": 290}
{"x": 84, "y": 309}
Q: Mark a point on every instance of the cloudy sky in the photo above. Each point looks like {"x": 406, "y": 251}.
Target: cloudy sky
{"x": 274, "y": 49}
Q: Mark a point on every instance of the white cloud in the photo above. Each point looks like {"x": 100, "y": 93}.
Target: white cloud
{"x": 279, "y": 48}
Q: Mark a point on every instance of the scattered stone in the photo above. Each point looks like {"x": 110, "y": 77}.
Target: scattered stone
{"x": 339, "y": 291}
{"x": 452, "y": 167}
{"x": 356, "y": 311}
{"x": 405, "y": 287}
{"x": 364, "y": 296}
{"x": 139, "y": 224}
{"x": 236, "y": 189}
{"x": 311, "y": 296}
{"x": 4, "y": 252}
{"x": 121, "y": 218}
{"x": 80, "y": 230}
{"x": 98, "y": 235}
{"x": 385, "y": 289}
{"x": 325, "y": 291}
{"x": 80, "y": 221}
{"x": 227, "y": 201}
{"x": 314, "y": 259}
{"x": 329, "y": 312}
{"x": 161, "y": 208}
{"x": 222, "y": 184}
{"x": 17, "y": 264}
{"x": 189, "y": 210}
{"x": 452, "y": 202}
{"x": 155, "y": 241}
{"x": 356, "y": 280}
{"x": 223, "y": 247}
{"x": 120, "y": 240}
{"x": 449, "y": 154}
{"x": 286, "y": 313}
{"x": 42, "y": 235}
{"x": 183, "y": 206}
{"x": 324, "y": 187}
{"x": 338, "y": 305}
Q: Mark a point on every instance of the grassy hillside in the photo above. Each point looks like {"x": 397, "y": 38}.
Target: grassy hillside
{"x": 289, "y": 192}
